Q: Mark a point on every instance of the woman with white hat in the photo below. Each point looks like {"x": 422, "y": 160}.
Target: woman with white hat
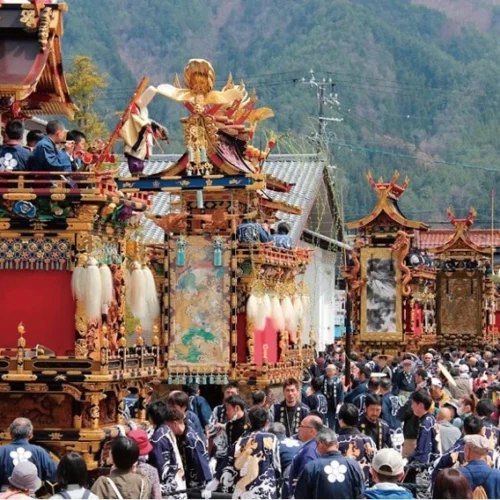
{"x": 23, "y": 482}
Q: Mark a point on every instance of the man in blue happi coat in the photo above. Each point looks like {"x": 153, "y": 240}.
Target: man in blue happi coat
{"x": 390, "y": 404}
{"x": 364, "y": 374}
{"x": 308, "y": 431}
{"x": 253, "y": 466}
{"x": 192, "y": 449}
{"x": 427, "y": 447}
{"x": 179, "y": 400}
{"x": 21, "y": 431}
{"x": 332, "y": 475}
{"x": 479, "y": 474}
{"x": 165, "y": 455}
{"x": 46, "y": 157}
{"x": 371, "y": 425}
{"x": 291, "y": 411}
{"x": 455, "y": 456}
{"x": 352, "y": 443}
{"x": 199, "y": 405}
{"x": 485, "y": 409}
{"x": 334, "y": 393}
{"x": 316, "y": 400}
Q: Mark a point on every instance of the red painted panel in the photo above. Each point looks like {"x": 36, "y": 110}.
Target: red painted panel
{"x": 242, "y": 337}
{"x": 267, "y": 336}
{"x": 42, "y": 301}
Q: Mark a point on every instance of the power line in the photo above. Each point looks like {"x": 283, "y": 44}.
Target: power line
{"x": 415, "y": 158}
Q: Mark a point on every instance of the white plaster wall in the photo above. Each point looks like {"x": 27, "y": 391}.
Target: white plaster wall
{"x": 320, "y": 278}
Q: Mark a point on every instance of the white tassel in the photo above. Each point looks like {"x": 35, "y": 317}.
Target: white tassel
{"x": 78, "y": 283}
{"x": 252, "y": 306}
{"x": 305, "y": 310}
{"x": 260, "y": 318}
{"x": 106, "y": 284}
{"x": 93, "y": 291}
{"x": 267, "y": 306}
{"x": 289, "y": 315}
{"x": 128, "y": 287}
{"x": 152, "y": 302}
{"x": 277, "y": 314}
{"x": 138, "y": 292}
{"x": 298, "y": 308}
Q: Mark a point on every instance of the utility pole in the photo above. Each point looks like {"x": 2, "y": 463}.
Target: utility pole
{"x": 324, "y": 100}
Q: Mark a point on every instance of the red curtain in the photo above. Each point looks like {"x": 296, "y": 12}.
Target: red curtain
{"x": 267, "y": 336}
{"x": 42, "y": 301}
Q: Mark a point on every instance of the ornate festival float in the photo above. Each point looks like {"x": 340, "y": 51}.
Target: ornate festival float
{"x": 413, "y": 287}
{"x": 81, "y": 293}
{"x": 68, "y": 356}
{"x": 233, "y": 308}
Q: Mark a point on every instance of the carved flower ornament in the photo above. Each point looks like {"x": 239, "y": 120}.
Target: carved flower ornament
{"x": 25, "y": 209}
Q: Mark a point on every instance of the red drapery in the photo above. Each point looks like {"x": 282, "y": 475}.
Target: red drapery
{"x": 42, "y": 301}
{"x": 267, "y": 336}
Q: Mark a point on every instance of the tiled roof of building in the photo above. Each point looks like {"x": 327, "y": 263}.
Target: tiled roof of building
{"x": 304, "y": 172}
{"x": 437, "y": 237}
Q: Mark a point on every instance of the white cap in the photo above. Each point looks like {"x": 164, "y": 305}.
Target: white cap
{"x": 463, "y": 369}
{"x": 435, "y": 382}
{"x": 388, "y": 461}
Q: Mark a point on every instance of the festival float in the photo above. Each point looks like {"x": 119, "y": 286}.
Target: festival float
{"x": 413, "y": 287}
{"x": 89, "y": 311}
{"x": 233, "y": 307}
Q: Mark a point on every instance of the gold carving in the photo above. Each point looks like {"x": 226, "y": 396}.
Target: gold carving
{"x": 87, "y": 213}
{"x": 72, "y": 391}
{"x": 55, "y": 436}
{"x": 4, "y": 387}
{"x": 36, "y": 387}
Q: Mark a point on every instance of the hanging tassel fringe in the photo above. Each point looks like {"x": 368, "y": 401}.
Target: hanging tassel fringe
{"x": 268, "y": 310}
{"x": 93, "y": 291}
{"x": 138, "y": 292}
{"x": 277, "y": 317}
{"x": 298, "y": 308}
{"x": 152, "y": 302}
{"x": 106, "y": 284}
{"x": 78, "y": 283}
{"x": 260, "y": 319}
{"x": 290, "y": 318}
{"x": 252, "y": 306}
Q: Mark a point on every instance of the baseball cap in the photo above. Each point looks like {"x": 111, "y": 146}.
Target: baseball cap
{"x": 25, "y": 476}
{"x": 478, "y": 443}
{"x": 389, "y": 462}
{"x": 141, "y": 438}
{"x": 463, "y": 368}
{"x": 435, "y": 382}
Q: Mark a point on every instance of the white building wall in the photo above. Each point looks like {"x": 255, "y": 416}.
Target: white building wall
{"x": 320, "y": 278}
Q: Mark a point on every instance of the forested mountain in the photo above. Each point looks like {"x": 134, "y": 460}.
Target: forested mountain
{"x": 418, "y": 87}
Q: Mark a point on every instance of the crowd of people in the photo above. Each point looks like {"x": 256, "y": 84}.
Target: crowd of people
{"x": 402, "y": 428}
{"x": 55, "y": 151}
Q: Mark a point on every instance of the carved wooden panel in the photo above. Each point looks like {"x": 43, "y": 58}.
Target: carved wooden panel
{"x": 460, "y": 304}
{"x": 44, "y": 410}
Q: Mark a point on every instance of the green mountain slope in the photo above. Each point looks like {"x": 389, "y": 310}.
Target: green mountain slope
{"x": 418, "y": 89}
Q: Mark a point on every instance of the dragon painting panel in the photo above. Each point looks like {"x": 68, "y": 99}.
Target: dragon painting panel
{"x": 381, "y": 296}
{"x": 200, "y": 303}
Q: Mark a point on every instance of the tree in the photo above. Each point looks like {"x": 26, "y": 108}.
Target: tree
{"x": 84, "y": 82}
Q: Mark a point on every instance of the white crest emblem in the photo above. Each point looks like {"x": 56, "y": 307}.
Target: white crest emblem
{"x": 335, "y": 472}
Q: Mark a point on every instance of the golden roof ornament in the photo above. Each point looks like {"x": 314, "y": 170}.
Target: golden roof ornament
{"x": 21, "y": 342}
{"x": 140, "y": 340}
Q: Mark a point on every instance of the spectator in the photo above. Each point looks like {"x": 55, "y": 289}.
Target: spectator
{"x": 165, "y": 455}
{"x": 259, "y": 398}
{"x": 387, "y": 470}
{"x": 13, "y": 155}
{"x": 143, "y": 468}
{"x": 308, "y": 431}
{"x": 404, "y": 382}
{"x": 76, "y": 140}
{"x": 72, "y": 477}
{"x": 332, "y": 475}
{"x": 483, "y": 479}
{"x": 33, "y": 138}
{"x": 46, "y": 157}
{"x": 467, "y": 407}
{"x": 23, "y": 482}
{"x": 447, "y": 431}
{"x": 122, "y": 482}
{"x": 281, "y": 239}
{"x": 451, "y": 483}
{"x": 364, "y": 374}
{"x": 463, "y": 383}
{"x": 21, "y": 431}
